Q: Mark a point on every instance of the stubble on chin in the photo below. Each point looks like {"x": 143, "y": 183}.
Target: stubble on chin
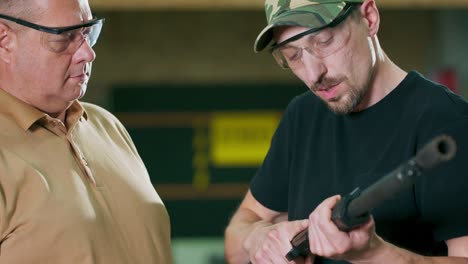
{"x": 347, "y": 103}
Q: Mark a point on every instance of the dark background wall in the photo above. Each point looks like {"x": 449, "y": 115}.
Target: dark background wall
{"x": 216, "y": 46}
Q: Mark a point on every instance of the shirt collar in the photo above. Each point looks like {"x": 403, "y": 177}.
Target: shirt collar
{"x": 26, "y": 115}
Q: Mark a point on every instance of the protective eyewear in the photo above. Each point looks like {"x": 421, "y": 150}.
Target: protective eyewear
{"x": 321, "y": 42}
{"x": 64, "y": 39}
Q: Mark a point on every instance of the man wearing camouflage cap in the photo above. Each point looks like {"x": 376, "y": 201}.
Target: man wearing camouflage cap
{"x": 361, "y": 118}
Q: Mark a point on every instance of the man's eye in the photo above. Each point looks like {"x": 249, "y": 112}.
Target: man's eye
{"x": 59, "y": 38}
{"x": 324, "y": 38}
{"x": 86, "y": 31}
{"x": 70, "y": 35}
{"x": 294, "y": 57}
{"x": 324, "y": 42}
{"x": 291, "y": 54}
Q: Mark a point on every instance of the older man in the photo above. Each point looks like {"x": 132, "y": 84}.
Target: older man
{"x": 73, "y": 188}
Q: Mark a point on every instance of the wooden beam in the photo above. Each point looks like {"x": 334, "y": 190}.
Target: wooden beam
{"x": 165, "y": 119}
{"x": 177, "y": 4}
{"x": 218, "y": 191}
{"x": 250, "y": 4}
{"x": 422, "y": 3}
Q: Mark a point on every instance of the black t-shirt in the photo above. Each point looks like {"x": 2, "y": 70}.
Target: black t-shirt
{"x": 315, "y": 154}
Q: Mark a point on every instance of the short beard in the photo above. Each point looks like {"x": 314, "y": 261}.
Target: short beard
{"x": 348, "y": 104}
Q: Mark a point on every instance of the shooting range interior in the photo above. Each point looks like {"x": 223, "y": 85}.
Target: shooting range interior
{"x": 201, "y": 106}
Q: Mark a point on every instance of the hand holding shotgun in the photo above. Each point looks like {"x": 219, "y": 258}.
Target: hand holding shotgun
{"x": 353, "y": 209}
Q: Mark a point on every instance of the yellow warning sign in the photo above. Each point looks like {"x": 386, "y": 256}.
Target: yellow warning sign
{"x": 241, "y": 138}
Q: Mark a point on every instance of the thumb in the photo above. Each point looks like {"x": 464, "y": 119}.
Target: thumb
{"x": 297, "y": 226}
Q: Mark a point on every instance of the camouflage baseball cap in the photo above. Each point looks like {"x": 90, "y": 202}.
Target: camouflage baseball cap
{"x": 306, "y": 13}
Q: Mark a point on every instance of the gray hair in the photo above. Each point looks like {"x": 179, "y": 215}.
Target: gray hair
{"x": 23, "y": 9}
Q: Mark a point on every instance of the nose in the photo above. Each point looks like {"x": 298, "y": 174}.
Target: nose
{"x": 314, "y": 68}
{"x": 85, "y": 53}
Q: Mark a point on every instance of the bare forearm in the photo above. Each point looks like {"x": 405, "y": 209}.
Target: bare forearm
{"x": 409, "y": 257}
{"x": 241, "y": 225}
{"x": 390, "y": 254}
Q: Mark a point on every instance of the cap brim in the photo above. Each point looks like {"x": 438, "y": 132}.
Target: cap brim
{"x": 311, "y": 16}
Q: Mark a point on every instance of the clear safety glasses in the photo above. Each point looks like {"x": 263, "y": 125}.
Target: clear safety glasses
{"x": 64, "y": 39}
{"x": 321, "y": 42}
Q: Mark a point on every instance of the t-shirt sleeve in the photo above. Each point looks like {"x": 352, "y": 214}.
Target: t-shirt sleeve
{"x": 443, "y": 192}
{"x": 270, "y": 184}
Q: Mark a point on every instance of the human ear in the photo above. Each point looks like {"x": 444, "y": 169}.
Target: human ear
{"x": 371, "y": 16}
{"x": 6, "y": 43}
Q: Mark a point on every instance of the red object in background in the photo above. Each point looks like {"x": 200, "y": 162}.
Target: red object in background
{"x": 448, "y": 77}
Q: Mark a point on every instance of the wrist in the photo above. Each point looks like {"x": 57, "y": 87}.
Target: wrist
{"x": 378, "y": 251}
{"x": 252, "y": 235}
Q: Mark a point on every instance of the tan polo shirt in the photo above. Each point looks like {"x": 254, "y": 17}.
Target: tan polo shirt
{"x": 78, "y": 195}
